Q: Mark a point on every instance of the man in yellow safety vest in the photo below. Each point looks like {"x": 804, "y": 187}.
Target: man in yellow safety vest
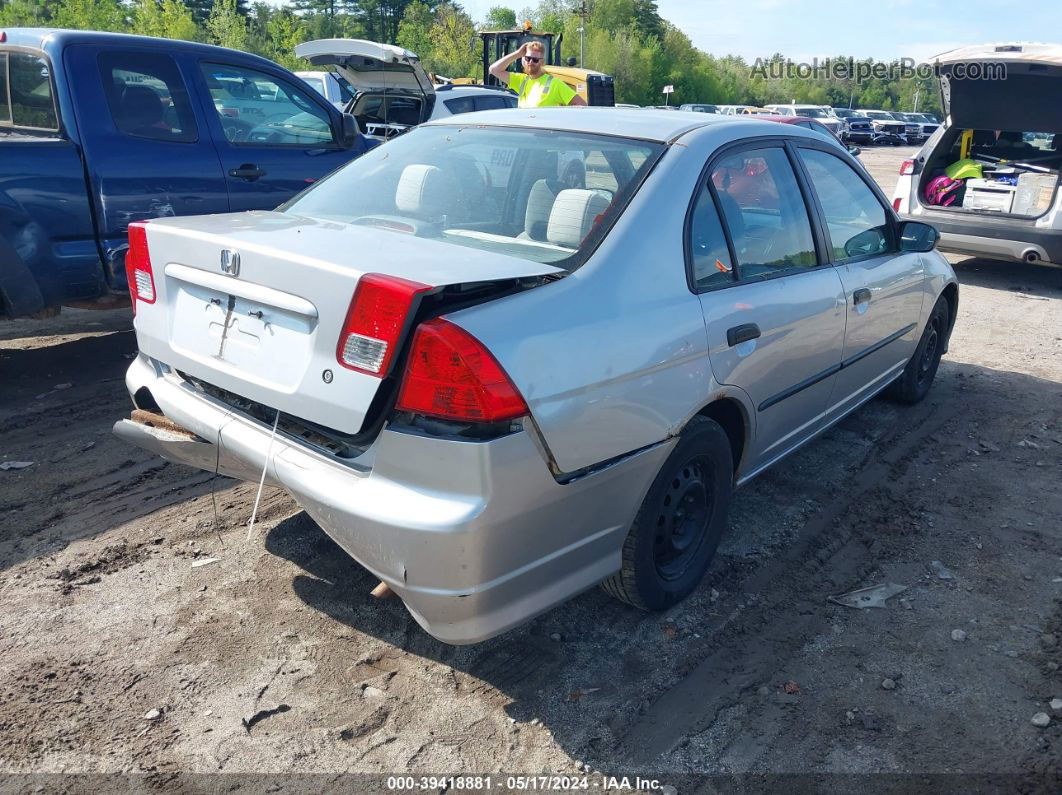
{"x": 535, "y": 88}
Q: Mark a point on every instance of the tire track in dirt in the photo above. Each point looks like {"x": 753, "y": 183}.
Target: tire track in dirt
{"x": 781, "y": 624}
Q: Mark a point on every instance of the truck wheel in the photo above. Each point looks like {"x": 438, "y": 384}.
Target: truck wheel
{"x": 677, "y": 529}
{"x": 917, "y": 377}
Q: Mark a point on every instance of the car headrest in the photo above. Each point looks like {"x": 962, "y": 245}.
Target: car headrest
{"x": 573, "y": 215}
{"x": 539, "y": 206}
{"x": 425, "y": 191}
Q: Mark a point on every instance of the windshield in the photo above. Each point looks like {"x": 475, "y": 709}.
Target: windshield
{"x": 541, "y": 195}
{"x": 879, "y": 114}
{"x": 317, "y": 84}
{"x": 811, "y": 113}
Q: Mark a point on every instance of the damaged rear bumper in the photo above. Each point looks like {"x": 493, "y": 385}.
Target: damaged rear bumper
{"x": 476, "y": 537}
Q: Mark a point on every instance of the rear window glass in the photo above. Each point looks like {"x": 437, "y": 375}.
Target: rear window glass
{"x": 541, "y": 195}
{"x": 147, "y": 96}
{"x": 26, "y": 98}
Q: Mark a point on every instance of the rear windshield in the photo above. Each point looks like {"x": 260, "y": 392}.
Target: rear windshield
{"x": 541, "y": 195}
{"x": 26, "y": 92}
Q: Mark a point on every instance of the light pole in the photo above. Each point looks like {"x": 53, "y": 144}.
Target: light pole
{"x": 582, "y": 35}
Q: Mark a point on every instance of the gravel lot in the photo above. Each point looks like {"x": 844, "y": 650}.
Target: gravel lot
{"x": 117, "y": 653}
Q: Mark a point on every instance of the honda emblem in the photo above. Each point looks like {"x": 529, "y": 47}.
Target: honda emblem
{"x": 230, "y": 262}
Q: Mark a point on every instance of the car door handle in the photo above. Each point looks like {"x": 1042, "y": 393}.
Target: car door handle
{"x": 861, "y": 296}
{"x": 248, "y": 171}
{"x": 742, "y": 333}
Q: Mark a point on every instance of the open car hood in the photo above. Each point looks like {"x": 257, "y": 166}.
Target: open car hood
{"x": 368, "y": 65}
{"x": 1022, "y": 101}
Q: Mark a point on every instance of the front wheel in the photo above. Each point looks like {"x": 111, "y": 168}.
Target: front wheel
{"x": 917, "y": 377}
{"x": 678, "y": 526}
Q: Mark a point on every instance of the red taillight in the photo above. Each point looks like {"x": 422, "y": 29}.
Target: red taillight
{"x": 896, "y": 204}
{"x": 378, "y": 313}
{"x": 3, "y": 36}
{"x": 138, "y": 273}
{"x": 906, "y": 168}
{"x": 452, "y": 375}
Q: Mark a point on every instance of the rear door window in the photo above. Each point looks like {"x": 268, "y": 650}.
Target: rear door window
{"x": 764, "y": 212}
{"x": 856, "y": 221}
{"x": 495, "y": 103}
{"x": 147, "y": 96}
{"x": 712, "y": 266}
{"x": 460, "y": 105}
{"x": 26, "y": 100}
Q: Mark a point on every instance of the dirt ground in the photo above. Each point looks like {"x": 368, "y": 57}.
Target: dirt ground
{"x": 104, "y": 617}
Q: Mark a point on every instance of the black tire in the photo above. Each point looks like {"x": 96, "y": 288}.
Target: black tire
{"x": 913, "y": 385}
{"x": 677, "y": 530}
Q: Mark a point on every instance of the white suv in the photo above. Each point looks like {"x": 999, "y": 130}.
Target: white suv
{"x": 1007, "y": 205}
{"x": 393, "y": 92}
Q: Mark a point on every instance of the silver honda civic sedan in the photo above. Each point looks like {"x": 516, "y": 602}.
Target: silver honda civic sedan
{"x": 496, "y": 384}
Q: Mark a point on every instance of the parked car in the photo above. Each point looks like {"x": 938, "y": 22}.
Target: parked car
{"x": 737, "y": 110}
{"x": 1009, "y": 132}
{"x": 912, "y": 131}
{"x": 925, "y": 123}
{"x": 809, "y": 112}
{"x": 858, "y": 129}
{"x": 509, "y": 406}
{"x": 810, "y": 124}
{"x": 699, "y": 108}
{"x": 329, "y": 85}
{"x": 887, "y": 129}
{"x": 101, "y": 129}
{"x": 393, "y": 92}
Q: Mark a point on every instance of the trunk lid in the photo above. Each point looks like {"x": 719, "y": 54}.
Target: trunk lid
{"x": 369, "y": 66}
{"x": 267, "y": 329}
{"x": 1020, "y": 102}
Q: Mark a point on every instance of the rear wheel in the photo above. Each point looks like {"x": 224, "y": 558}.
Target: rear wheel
{"x": 677, "y": 530}
{"x": 913, "y": 385}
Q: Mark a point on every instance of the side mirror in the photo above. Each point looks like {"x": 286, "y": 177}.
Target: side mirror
{"x": 348, "y": 131}
{"x": 915, "y": 236}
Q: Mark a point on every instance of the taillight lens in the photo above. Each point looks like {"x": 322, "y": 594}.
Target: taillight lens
{"x": 377, "y": 315}
{"x": 138, "y": 273}
{"x": 451, "y": 374}
{"x": 896, "y": 204}
{"x": 906, "y": 168}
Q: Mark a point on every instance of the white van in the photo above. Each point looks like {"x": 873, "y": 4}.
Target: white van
{"x": 1008, "y": 206}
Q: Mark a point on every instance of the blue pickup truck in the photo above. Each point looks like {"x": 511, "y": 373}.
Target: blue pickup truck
{"x": 100, "y": 129}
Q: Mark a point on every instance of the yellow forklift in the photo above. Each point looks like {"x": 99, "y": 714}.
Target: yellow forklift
{"x": 595, "y": 87}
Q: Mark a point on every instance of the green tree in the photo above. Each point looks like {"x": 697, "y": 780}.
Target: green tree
{"x": 25, "y": 13}
{"x": 201, "y": 9}
{"x": 90, "y": 15}
{"x": 414, "y": 31}
{"x": 226, "y": 27}
{"x": 451, "y": 36}
{"x": 284, "y": 30}
{"x": 168, "y": 19}
{"x": 500, "y": 18}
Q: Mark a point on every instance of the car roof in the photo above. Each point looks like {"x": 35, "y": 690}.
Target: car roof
{"x": 55, "y": 39}
{"x": 643, "y": 123}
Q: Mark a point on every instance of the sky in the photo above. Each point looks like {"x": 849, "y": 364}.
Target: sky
{"x": 879, "y": 29}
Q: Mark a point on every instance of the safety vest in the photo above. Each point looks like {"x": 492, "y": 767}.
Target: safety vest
{"x": 528, "y": 84}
